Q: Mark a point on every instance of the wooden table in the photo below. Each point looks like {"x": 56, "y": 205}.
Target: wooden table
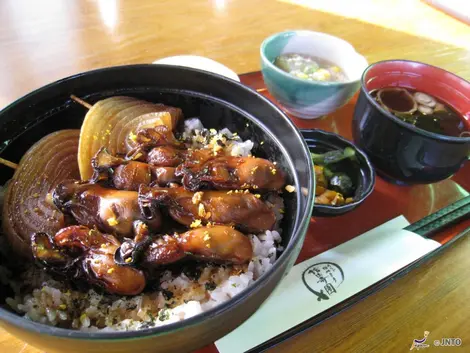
{"x": 41, "y": 41}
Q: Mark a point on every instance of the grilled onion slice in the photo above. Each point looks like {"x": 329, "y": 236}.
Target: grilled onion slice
{"x": 113, "y": 123}
{"x": 27, "y": 207}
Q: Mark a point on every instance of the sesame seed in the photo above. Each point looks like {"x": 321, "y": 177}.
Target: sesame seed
{"x": 111, "y": 270}
{"x": 196, "y": 223}
{"x": 132, "y": 136}
{"x": 257, "y": 196}
{"x": 197, "y": 197}
{"x": 112, "y": 221}
{"x": 290, "y": 188}
{"x": 261, "y": 143}
{"x": 103, "y": 246}
{"x": 201, "y": 211}
{"x": 129, "y": 259}
{"x": 62, "y": 306}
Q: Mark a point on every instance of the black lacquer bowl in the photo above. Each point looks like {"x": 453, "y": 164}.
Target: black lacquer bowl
{"x": 219, "y": 102}
{"x": 360, "y": 170}
{"x": 400, "y": 152}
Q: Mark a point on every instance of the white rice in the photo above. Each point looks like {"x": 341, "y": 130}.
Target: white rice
{"x": 51, "y": 302}
{"x": 200, "y": 137}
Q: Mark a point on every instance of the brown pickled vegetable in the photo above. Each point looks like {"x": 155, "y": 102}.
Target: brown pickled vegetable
{"x": 113, "y": 123}
{"x": 27, "y": 207}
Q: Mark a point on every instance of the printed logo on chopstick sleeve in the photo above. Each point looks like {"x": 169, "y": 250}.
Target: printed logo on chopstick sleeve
{"x": 323, "y": 279}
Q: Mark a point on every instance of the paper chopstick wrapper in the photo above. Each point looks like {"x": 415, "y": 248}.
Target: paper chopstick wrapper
{"x": 325, "y": 280}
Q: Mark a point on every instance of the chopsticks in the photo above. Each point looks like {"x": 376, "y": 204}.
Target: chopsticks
{"x": 425, "y": 227}
{"x": 441, "y": 218}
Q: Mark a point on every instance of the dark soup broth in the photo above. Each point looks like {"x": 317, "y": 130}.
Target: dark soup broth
{"x": 422, "y": 110}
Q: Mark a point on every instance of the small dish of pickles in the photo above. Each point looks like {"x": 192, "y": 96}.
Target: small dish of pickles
{"x": 344, "y": 176}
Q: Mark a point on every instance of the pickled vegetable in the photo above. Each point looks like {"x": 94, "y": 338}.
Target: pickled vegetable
{"x": 332, "y": 157}
{"x": 334, "y": 187}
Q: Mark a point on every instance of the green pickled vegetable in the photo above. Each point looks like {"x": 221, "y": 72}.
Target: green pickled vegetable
{"x": 332, "y": 157}
{"x": 342, "y": 183}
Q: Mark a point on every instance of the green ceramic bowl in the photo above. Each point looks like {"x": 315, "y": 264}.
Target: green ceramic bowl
{"x": 310, "y": 99}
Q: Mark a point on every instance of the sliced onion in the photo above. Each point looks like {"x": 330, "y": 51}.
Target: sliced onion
{"x": 112, "y": 123}
{"x": 27, "y": 207}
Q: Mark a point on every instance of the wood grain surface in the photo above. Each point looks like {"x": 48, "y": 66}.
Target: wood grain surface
{"x": 42, "y": 41}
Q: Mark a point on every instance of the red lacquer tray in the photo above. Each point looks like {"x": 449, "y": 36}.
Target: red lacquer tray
{"x": 386, "y": 202}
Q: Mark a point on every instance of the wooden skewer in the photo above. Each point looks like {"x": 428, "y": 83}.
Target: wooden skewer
{"x": 81, "y": 101}
{"x": 73, "y": 97}
{"x": 8, "y": 163}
